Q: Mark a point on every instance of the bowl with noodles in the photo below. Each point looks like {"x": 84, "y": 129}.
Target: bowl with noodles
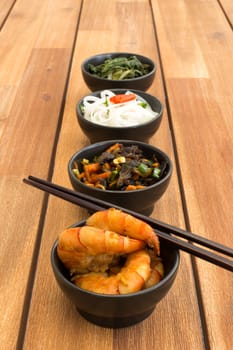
{"x": 102, "y": 300}
{"x": 118, "y": 70}
{"x": 130, "y": 174}
{"x": 119, "y": 114}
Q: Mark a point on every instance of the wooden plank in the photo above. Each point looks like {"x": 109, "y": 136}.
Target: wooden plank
{"x": 31, "y": 26}
{"x": 198, "y": 37}
{"x": 31, "y": 92}
{"x": 53, "y": 322}
{"x": 26, "y": 145}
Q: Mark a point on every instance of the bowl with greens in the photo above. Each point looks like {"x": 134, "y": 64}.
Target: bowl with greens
{"x": 118, "y": 70}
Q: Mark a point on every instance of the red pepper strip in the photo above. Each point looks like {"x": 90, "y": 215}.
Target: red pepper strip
{"x": 121, "y": 98}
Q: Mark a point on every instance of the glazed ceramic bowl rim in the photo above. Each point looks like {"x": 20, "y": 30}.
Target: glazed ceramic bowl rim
{"x": 154, "y": 288}
{"x": 107, "y": 127}
{"x": 86, "y": 61}
{"x": 97, "y": 190}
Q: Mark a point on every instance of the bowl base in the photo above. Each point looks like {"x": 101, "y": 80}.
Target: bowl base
{"x": 147, "y": 212}
{"x": 115, "y": 322}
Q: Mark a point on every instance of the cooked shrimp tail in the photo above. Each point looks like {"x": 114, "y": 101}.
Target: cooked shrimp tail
{"x": 157, "y": 270}
{"x": 125, "y": 224}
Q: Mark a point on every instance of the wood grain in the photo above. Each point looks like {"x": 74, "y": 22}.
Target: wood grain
{"x": 227, "y": 6}
{"x": 50, "y": 313}
{"x": 5, "y": 8}
{"x": 200, "y": 99}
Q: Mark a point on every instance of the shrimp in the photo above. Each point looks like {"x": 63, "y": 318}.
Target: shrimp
{"x": 131, "y": 278}
{"x": 125, "y": 224}
{"x": 84, "y": 249}
{"x": 157, "y": 272}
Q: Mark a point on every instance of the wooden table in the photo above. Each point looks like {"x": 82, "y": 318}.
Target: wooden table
{"x": 42, "y": 45}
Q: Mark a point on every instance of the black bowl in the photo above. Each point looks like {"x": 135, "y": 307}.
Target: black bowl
{"x": 96, "y": 83}
{"x": 117, "y": 311}
{"x": 141, "y": 200}
{"x": 142, "y": 132}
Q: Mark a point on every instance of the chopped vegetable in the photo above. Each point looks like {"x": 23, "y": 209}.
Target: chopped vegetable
{"x": 121, "y": 168}
{"x": 142, "y": 104}
{"x": 120, "y": 68}
{"x": 143, "y": 168}
{"x": 122, "y": 98}
{"x": 119, "y": 160}
{"x": 156, "y": 173}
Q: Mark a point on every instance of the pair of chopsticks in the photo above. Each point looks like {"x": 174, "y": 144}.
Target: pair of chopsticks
{"x": 163, "y": 230}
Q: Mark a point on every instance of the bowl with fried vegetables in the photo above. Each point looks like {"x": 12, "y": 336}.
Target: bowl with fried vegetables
{"x": 118, "y": 70}
{"x": 119, "y": 114}
{"x": 118, "y": 282}
{"x": 128, "y": 173}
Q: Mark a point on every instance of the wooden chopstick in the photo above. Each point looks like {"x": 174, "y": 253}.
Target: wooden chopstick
{"x": 153, "y": 222}
{"x": 163, "y": 230}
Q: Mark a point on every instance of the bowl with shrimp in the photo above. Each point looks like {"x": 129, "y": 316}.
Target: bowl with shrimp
{"x": 118, "y": 70}
{"x": 119, "y": 114}
{"x": 129, "y": 174}
{"x": 114, "y": 274}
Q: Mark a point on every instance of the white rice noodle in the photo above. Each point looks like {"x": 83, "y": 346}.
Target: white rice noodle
{"x": 100, "y": 110}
